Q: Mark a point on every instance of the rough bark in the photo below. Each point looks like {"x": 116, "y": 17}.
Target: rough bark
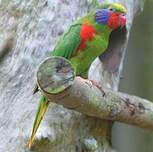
{"x": 59, "y": 85}
{"x": 28, "y": 31}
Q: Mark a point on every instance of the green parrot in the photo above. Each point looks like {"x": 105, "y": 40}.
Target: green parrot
{"x": 85, "y": 40}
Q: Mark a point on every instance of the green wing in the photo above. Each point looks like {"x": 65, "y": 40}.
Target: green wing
{"x": 68, "y": 43}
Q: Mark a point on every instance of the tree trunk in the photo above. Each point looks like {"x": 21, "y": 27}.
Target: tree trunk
{"x": 28, "y": 31}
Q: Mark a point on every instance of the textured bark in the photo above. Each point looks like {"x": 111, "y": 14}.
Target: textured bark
{"x": 59, "y": 85}
{"x": 28, "y": 31}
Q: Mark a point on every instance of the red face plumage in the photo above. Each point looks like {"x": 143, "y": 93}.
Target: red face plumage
{"x": 116, "y": 20}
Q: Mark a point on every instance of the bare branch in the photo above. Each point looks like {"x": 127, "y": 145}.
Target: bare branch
{"x": 89, "y": 98}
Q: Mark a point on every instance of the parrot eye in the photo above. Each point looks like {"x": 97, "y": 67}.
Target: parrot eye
{"x": 112, "y": 9}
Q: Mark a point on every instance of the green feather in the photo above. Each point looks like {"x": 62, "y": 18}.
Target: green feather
{"x": 68, "y": 43}
{"x": 117, "y": 6}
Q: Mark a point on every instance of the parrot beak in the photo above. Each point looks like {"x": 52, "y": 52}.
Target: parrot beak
{"x": 43, "y": 105}
{"x": 122, "y": 20}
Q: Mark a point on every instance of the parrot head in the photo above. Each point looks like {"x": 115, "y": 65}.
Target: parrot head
{"x": 113, "y": 15}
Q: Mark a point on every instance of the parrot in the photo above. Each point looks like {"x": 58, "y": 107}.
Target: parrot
{"x": 85, "y": 40}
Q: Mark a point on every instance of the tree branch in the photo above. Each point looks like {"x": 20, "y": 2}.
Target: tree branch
{"x": 89, "y": 98}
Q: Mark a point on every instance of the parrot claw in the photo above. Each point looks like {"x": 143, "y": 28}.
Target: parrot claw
{"x": 90, "y": 83}
{"x": 98, "y": 86}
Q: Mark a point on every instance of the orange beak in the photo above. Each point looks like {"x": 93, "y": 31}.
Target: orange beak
{"x": 122, "y": 20}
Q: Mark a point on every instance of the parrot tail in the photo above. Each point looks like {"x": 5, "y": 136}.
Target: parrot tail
{"x": 43, "y": 105}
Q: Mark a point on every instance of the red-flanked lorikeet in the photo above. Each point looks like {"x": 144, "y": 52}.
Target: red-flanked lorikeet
{"x": 85, "y": 40}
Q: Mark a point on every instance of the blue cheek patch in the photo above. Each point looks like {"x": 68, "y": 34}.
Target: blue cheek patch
{"x": 102, "y": 16}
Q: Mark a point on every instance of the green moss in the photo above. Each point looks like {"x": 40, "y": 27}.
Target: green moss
{"x": 56, "y": 90}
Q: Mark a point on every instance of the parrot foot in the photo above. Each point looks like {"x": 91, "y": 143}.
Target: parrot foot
{"x": 92, "y": 82}
{"x": 88, "y": 82}
{"x": 98, "y": 86}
